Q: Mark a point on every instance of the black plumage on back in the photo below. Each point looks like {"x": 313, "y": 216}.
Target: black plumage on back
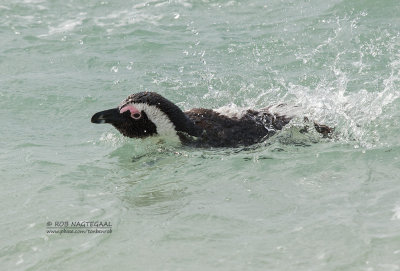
{"x": 223, "y": 131}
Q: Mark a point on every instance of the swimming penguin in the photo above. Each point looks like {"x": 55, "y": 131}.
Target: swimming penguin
{"x": 147, "y": 114}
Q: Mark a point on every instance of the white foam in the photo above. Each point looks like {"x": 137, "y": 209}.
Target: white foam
{"x": 289, "y": 110}
{"x": 66, "y": 26}
{"x": 234, "y": 111}
{"x": 33, "y": 1}
{"x": 124, "y": 18}
{"x": 110, "y": 138}
{"x": 20, "y": 259}
{"x": 231, "y": 111}
{"x": 396, "y": 213}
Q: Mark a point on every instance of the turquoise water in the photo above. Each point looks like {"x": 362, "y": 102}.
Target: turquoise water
{"x": 296, "y": 202}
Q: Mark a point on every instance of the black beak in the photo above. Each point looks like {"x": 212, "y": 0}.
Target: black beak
{"x": 107, "y": 116}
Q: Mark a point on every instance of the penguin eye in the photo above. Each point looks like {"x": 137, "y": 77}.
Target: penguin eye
{"x": 136, "y": 116}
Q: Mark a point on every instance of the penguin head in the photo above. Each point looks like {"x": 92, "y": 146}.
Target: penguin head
{"x": 145, "y": 114}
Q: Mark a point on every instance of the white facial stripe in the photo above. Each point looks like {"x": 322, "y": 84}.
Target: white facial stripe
{"x": 164, "y": 126}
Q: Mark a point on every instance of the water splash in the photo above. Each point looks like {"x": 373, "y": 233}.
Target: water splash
{"x": 349, "y": 80}
{"x": 357, "y": 115}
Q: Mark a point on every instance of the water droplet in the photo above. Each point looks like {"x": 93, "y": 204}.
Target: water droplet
{"x": 129, "y": 66}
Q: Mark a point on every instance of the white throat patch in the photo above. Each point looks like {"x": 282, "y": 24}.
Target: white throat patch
{"x": 164, "y": 125}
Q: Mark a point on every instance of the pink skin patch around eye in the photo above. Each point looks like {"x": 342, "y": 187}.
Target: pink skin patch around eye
{"x": 131, "y": 109}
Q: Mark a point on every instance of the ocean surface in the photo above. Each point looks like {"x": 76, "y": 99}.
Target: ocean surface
{"x": 295, "y": 202}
